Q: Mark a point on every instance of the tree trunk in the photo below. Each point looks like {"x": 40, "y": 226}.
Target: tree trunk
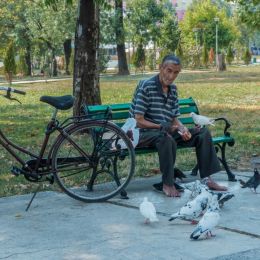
{"x": 85, "y": 77}
{"x": 28, "y": 60}
{"x": 221, "y": 65}
{"x": 120, "y": 39}
{"x": 67, "y": 54}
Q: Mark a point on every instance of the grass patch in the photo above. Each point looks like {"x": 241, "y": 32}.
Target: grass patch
{"x": 234, "y": 94}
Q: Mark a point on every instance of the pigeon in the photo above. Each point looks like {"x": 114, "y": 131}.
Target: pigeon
{"x": 253, "y": 182}
{"x": 202, "y": 120}
{"x": 194, "y": 208}
{"x": 223, "y": 197}
{"x": 195, "y": 188}
{"x": 147, "y": 209}
{"x": 131, "y": 131}
{"x": 209, "y": 220}
{"x": 178, "y": 174}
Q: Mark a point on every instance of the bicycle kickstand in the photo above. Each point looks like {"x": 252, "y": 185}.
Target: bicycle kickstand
{"x": 33, "y": 196}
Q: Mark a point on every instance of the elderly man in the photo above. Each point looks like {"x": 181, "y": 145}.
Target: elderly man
{"x": 156, "y": 109}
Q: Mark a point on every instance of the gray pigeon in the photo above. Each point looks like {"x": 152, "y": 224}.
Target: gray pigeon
{"x": 209, "y": 220}
{"x": 223, "y": 197}
{"x": 253, "y": 182}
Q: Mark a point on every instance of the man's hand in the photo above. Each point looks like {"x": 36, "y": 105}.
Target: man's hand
{"x": 166, "y": 127}
{"x": 184, "y": 132}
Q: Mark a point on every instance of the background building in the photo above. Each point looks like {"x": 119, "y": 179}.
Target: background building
{"x": 181, "y": 6}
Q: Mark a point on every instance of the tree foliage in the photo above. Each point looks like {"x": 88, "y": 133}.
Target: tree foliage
{"x": 249, "y": 12}
{"x": 200, "y": 15}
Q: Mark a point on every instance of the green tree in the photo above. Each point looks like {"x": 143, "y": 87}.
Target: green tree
{"x": 230, "y": 54}
{"x": 142, "y": 21}
{"x": 249, "y": 12}
{"x": 169, "y": 29}
{"x": 13, "y": 26}
{"x": 9, "y": 62}
{"x": 200, "y": 15}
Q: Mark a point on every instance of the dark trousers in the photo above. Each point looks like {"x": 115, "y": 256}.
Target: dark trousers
{"x": 166, "y": 146}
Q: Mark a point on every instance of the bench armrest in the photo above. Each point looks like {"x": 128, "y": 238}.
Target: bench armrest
{"x": 227, "y": 125}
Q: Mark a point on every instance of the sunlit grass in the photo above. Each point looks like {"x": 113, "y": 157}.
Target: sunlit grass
{"x": 234, "y": 94}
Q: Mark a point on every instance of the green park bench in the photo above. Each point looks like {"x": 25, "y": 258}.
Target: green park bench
{"x": 118, "y": 113}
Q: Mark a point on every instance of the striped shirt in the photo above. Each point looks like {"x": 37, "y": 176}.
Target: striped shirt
{"x": 156, "y": 106}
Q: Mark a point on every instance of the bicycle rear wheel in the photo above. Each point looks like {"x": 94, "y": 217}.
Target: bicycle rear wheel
{"x": 94, "y": 162}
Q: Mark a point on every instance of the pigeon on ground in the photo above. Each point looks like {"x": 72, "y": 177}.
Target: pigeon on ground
{"x": 202, "y": 120}
{"x": 223, "y": 197}
{"x": 253, "y": 182}
{"x": 194, "y": 208}
{"x": 147, "y": 209}
{"x": 195, "y": 188}
{"x": 209, "y": 220}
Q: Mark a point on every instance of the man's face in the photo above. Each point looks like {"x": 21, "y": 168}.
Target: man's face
{"x": 168, "y": 73}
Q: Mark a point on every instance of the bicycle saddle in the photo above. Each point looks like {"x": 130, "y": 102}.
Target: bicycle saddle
{"x": 62, "y": 103}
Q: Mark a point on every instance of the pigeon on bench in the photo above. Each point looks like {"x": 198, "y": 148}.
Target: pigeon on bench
{"x": 202, "y": 120}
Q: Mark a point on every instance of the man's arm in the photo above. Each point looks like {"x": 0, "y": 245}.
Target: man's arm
{"x": 143, "y": 123}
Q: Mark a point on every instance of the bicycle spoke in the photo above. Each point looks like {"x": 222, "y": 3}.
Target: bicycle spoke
{"x": 91, "y": 166}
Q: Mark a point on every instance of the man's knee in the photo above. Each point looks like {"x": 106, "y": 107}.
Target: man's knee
{"x": 166, "y": 143}
{"x": 204, "y": 136}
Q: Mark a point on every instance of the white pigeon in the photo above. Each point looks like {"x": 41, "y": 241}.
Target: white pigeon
{"x": 148, "y": 210}
{"x": 195, "y": 188}
{"x": 202, "y": 120}
{"x": 194, "y": 208}
{"x": 209, "y": 220}
{"x": 132, "y": 132}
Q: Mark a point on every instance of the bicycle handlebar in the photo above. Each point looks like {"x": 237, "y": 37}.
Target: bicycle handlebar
{"x": 9, "y": 89}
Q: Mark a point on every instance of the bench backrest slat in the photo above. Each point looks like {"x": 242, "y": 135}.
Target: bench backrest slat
{"x": 121, "y": 111}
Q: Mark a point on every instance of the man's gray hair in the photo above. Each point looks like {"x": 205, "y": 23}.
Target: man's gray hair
{"x": 171, "y": 59}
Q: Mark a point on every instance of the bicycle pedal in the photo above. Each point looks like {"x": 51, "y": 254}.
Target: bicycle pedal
{"x": 16, "y": 171}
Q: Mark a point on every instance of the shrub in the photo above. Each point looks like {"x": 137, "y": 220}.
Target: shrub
{"x": 247, "y": 56}
{"x": 9, "y": 62}
{"x": 139, "y": 58}
{"x": 230, "y": 55}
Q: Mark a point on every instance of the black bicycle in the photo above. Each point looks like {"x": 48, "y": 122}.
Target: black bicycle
{"x": 91, "y": 160}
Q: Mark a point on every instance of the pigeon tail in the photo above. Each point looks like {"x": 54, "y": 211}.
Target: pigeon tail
{"x": 242, "y": 183}
{"x": 196, "y": 233}
{"x": 172, "y": 218}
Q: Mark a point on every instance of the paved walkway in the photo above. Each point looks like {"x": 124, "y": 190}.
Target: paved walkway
{"x": 58, "y": 227}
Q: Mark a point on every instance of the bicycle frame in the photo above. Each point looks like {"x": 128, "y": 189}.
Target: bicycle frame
{"x": 36, "y": 166}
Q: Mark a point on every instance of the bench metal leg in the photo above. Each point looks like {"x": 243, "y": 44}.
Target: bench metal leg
{"x": 123, "y": 193}
{"x": 195, "y": 170}
{"x": 231, "y": 176}
{"x": 222, "y": 159}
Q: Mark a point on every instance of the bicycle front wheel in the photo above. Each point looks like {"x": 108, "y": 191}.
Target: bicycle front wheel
{"x": 94, "y": 161}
